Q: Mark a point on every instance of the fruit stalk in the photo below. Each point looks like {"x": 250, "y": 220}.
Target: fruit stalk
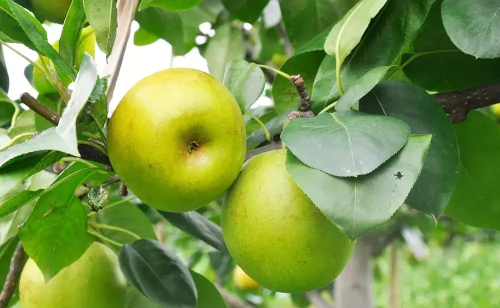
{"x": 16, "y": 267}
{"x": 44, "y": 111}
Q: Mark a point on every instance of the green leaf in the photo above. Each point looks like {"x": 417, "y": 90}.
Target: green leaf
{"x": 347, "y": 33}
{"x": 33, "y": 30}
{"x": 424, "y": 114}
{"x": 63, "y": 137}
{"x": 4, "y": 75}
{"x": 380, "y": 46}
{"x": 275, "y": 126}
{"x": 98, "y": 197}
{"x": 316, "y": 43}
{"x": 135, "y": 299}
{"x": 50, "y": 100}
{"x": 96, "y": 108}
{"x": 197, "y": 225}
{"x": 102, "y": 16}
{"x": 246, "y": 81}
{"x": 163, "y": 24}
{"x": 305, "y": 19}
{"x": 158, "y": 273}
{"x": 129, "y": 217}
{"x": 73, "y": 25}
{"x": 11, "y": 31}
{"x": 169, "y": 5}
{"x": 20, "y": 199}
{"x": 438, "y": 65}
{"x": 208, "y": 295}
{"x": 6, "y": 109}
{"x": 143, "y": 37}
{"x": 284, "y": 93}
{"x": 55, "y": 234}
{"x": 25, "y": 123}
{"x": 10, "y": 223}
{"x": 475, "y": 199}
{"x": 473, "y": 26}
{"x": 359, "y": 205}
{"x": 345, "y": 143}
{"x": 246, "y": 10}
{"x": 227, "y": 45}
{"x": 361, "y": 87}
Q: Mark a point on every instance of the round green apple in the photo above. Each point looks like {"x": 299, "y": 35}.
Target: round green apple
{"x": 276, "y": 234}
{"x": 177, "y": 139}
{"x": 52, "y": 10}
{"x": 94, "y": 281}
{"x": 86, "y": 43}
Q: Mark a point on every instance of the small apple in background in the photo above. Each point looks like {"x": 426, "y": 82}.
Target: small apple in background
{"x": 51, "y": 10}
{"x": 93, "y": 281}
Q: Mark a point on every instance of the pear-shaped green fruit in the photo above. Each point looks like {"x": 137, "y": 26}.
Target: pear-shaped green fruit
{"x": 86, "y": 43}
{"x": 51, "y": 10}
{"x": 177, "y": 139}
{"x": 93, "y": 281}
{"x": 276, "y": 234}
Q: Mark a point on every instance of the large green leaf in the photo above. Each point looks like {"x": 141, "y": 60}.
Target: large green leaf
{"x": 32, "y": 28}
{"x": 208, "y": 295}
{"x": 159, "y": 274}
{"x": 73, "y": 25}
{"x": 475, "y": 200}
{"x": 388, "y": 36}
{"x": 126, "y": 216}
{"x": 10, "y": 223}
{"x": 424, "y": 114}
{"x": 361, "y": 87}
{"x": 227, "y": 45}
{"x": 63, "y": 137}
{"x": 169, "y": 5}
{"x": 347, "y": 33}
{"x": 11, "y": 31}
{"x": 305, "y": 19}
{"x": 102, "y": 16}
{"x": 246, "y": 10}
{"x": 4, "y": 75}
{"x": 438, "y": 65}
{"x": 7, "y": 109}
{"x": 345, "y": 143}
{"x": 359, "y": 205}
{"x": 55, "y": 234}
{"x": 197, "y": 225}
{"x": 284, "y": 93}
{"x": 246, "y": 81}
{"x": 473, "y": 26}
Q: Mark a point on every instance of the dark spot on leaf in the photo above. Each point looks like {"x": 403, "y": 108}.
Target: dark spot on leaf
{"x": 399, "y": 175}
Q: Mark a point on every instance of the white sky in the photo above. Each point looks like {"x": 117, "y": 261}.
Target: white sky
{"x": 139, "y": 62}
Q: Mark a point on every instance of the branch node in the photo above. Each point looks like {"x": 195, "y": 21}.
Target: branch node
{"x": 304, "y": 99}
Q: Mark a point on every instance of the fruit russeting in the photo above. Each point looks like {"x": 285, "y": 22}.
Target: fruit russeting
{"x": 177, "y": 139}
{"x": 94, "y": 280}
{"x": 51, "y": 10}
{"x": 276, "y": 234}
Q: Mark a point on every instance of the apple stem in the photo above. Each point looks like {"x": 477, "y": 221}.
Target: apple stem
{"x": 16, "y": 267}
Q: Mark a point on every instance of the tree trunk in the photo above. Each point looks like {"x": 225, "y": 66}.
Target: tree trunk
{"x": 393, "y": 301}
{"x": 354, "y": 287}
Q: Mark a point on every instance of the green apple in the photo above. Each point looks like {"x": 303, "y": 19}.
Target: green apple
{"x": 276, "y": 234}
{"x": 52, "y": 10}
{"x": 93, "y": 281}
{"x": 86, "y": 43}
{"x": 177, "y": 139}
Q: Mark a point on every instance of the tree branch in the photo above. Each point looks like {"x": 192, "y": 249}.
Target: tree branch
{"x": 285, "y": 40}
{"x": 16, "y": 267}
{"x": 458, "y": 104}
{"x": 231, "y": 300}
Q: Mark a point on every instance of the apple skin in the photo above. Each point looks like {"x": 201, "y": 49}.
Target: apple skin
{"x": 51, "y": 10}
{"x": 243, "y": 281}
{"x": 177, "y": 139}
{"x": 94, "y": 281}
{"x": 276, "y": 234}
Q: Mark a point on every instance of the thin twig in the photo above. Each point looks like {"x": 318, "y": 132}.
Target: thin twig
{"x": 44, "y": 111}
{"x": 16, "y": 267}
{"x": 285, "y": 40}
{"x": 231, "y": 300}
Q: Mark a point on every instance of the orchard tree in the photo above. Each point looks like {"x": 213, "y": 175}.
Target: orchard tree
{"x": 377, "y": 119}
